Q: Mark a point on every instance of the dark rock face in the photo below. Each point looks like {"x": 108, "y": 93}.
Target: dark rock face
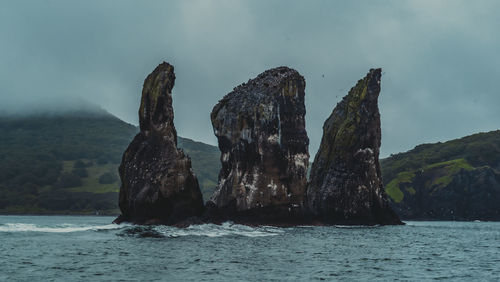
{"x": 345, "y": 182}
{"x": 468, "y": 194}
{"x": 260, "y": 127}
{"x": 158, "y": 184}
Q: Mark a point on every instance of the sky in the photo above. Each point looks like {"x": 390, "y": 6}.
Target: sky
{"x": 440, "y": 59}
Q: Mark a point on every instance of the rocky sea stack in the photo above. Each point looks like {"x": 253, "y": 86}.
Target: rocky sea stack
{"x": 345, "y": 183}
{"x": 158, "y": 184}
{"x": 261, "y": 131}
{"x": 260, "y": 127}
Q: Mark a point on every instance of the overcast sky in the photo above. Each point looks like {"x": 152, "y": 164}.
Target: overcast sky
{"x": 440, "y": 59}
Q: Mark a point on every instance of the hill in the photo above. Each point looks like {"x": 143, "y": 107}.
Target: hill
{"x": 67, "y": 163}
{"x": 454, "y": 180}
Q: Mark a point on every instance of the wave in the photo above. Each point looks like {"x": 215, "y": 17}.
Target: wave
{"x": 357, "y": 226}
{"x": 207, "y": 230}
{"x": 154, "y": 231}
{"x": 62, "y": 228}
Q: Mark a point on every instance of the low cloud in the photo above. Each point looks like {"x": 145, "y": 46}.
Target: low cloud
{"x": 439, "y": 58}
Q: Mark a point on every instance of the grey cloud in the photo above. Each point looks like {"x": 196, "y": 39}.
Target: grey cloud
{"x": 440, "y": 58}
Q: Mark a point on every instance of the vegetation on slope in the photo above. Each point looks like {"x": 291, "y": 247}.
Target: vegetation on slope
{"x": 452, "y": 180}
{"x": 68, "y": 163}
{"x": 482, "y": 149}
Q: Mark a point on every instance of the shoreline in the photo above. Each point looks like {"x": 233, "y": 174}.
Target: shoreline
{"x": 218, "y": 222}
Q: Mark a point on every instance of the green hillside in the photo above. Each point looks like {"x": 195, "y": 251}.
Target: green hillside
{"x": 68, "y": 163}
{"x": 205, "y": 162}
{"x": 458, "y": 179}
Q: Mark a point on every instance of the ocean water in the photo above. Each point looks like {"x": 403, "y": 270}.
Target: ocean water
{"x": 85, "y": 248}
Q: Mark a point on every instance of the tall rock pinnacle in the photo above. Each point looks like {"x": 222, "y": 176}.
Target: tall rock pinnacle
{"x": 158, "y": 184}
{"x": 260, "y": 127}
{"x": 345, "y": 182}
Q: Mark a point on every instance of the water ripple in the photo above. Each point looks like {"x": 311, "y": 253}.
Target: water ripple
{"x": 60, "y": 248}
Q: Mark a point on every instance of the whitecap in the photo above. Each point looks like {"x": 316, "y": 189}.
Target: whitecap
{"x": 357, "y": 226}
{"x": 62, "y": 228}
{"x": 214, "y": 230}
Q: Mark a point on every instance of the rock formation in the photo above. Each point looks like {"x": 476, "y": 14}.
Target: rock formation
{"x": 345, "y": 182}
{"x": 260, "y": 127}
{"x": 158, "y": 184}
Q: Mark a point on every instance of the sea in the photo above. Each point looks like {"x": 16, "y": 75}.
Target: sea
{"x": 91, "y": 248}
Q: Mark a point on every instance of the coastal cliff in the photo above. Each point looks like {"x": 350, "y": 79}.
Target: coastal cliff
{"x": 158, "y": 183}
{"x": 345, "y": 183}
{"x": 454, "y": 180}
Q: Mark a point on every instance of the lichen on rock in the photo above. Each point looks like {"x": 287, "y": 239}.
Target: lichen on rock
{"x": 260, "y": 127}
{"x": 158, "y": 183}
{"x": 345, "y": 182}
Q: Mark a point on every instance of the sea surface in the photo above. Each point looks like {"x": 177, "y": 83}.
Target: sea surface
{"x": 86, "y": 248}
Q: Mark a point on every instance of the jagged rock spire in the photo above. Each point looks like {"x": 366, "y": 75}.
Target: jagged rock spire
{"x": 345, "y": 183}
{"x": 158, "y": 184}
